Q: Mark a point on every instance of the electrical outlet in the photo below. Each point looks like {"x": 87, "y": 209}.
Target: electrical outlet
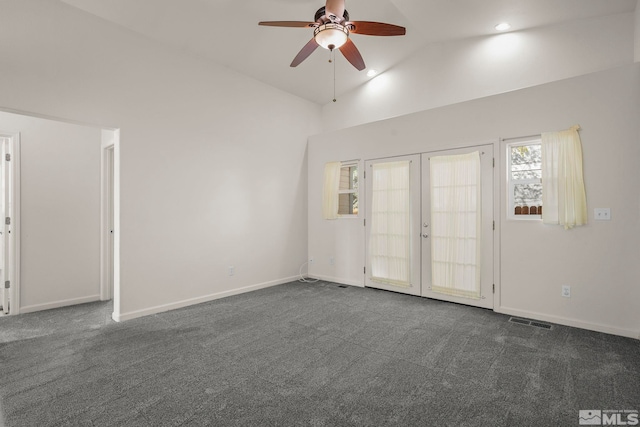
{"x": 566, "y": 291}
{"x": 602, "y": 214}
{"x": 332, "y": 261}
{"x": 232, "y": 270}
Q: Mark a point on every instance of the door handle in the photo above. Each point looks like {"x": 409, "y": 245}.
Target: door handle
{"x": 425, "y": 235}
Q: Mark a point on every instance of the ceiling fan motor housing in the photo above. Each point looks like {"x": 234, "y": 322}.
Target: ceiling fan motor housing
{"x": 322, "y": 18}
{"x": 331, "y": 35}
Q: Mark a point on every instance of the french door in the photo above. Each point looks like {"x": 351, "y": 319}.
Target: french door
{"x": 457, "y": 226}
{"x": 393, "y": 224}
{"x": 429, "y": 225}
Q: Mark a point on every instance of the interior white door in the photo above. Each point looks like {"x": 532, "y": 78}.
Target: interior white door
{"x": 110, "y": 264}
{"x": 4, "y": 229}
{"x": 458, "y": 235}
{"x": 393, "y": 224}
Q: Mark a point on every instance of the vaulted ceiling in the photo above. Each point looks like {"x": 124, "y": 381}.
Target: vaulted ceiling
{"x": 227, "y": 31}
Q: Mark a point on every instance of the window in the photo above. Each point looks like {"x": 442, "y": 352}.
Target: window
{"x": 524, "y": 169}
{"x": 348, "y": 190}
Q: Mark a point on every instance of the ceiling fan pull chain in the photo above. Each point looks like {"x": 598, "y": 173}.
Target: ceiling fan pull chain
{"x": 334, "y": 75}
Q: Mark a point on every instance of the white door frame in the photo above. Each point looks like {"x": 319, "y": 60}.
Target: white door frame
{"x": 110, "y": 218}
{"x": 13, "y": 234}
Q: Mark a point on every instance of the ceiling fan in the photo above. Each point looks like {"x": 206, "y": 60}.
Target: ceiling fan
{"x": 331, "y": 31}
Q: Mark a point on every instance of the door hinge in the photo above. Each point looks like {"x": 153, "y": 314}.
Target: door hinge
{"x": 494, "y": 288}
{"x": 7, "y": 284}
{"x": 365, "y": 222}
{"x": 364, "y": 174}
{"x": 7, "y": 220}
{"x": 494, "y": 162}
{"x": 364, "y": 270}
{"x": 7, "y": 157}
{"x": 494, "y": 225}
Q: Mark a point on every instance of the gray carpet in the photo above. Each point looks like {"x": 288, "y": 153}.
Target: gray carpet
{"x": 308, "y": 354}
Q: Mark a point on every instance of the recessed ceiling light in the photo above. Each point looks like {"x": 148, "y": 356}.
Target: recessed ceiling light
{"x": 372, "y": 73}
{"x": 503, "y": 26}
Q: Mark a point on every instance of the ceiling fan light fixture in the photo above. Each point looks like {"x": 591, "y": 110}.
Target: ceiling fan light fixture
{"x": 331, "y": 36}
{"x": 504, "y": 26}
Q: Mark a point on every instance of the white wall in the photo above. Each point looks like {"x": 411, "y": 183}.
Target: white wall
{"x": 59, "y": 211}
{"x": 599, "y": 261}
{"x": 456, "y": 71}
{"x": 637, "y": 32}
{"x": 213, "y": 164}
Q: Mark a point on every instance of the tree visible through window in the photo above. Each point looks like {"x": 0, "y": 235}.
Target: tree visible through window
{"x": 348, "y": 190}
{"x": 525, "y": 178}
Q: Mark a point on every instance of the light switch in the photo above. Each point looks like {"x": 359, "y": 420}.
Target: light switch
{"x": 602, "y": 214}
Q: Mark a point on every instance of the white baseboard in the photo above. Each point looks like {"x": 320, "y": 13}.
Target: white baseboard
{"x": 336, "y": 280}
{"x": 121, "y": 317}
{"x": 58, "y": 304}
{"x": 569, "y": 322}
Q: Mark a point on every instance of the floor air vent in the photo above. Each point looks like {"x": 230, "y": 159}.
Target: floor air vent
{"x": 541, "y": 325}
{"x": 530, "y": 323}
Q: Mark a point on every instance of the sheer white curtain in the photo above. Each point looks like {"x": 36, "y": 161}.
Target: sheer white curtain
{"x": 456, "y": 216}
{"x": 390, "y": 239}
{"x": 330, "y": 190}
{"x": 564, "y": 199}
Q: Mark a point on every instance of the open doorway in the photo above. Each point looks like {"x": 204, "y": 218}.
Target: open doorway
{"x": 59, "y": 259}
{"x": 109, "y": 236}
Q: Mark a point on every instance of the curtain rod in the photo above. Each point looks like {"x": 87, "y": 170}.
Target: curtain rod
{"x": 522, "y": 137}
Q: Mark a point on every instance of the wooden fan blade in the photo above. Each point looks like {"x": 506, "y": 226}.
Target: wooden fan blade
{"x": 369, "y": 28}
{"x": 351, "y": 52}
{"x": 290, "y": 24}
{"x": 305, "y": 52}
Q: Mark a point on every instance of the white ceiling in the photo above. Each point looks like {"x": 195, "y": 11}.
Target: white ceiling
{"x": 227, "y": 31}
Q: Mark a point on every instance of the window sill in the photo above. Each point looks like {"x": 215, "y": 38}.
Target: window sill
{"x": 525, "y": 217}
